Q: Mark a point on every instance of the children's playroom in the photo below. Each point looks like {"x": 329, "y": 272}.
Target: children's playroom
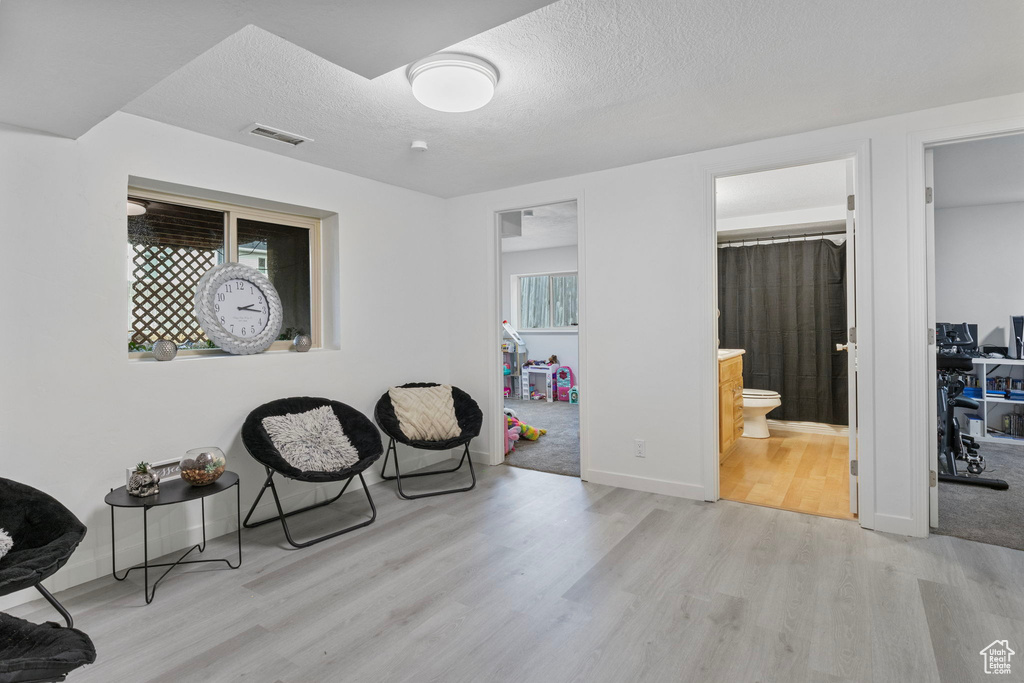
{"x": 540, "y": 348}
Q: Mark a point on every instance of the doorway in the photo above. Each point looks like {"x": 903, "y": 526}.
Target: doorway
{"x": 974, "y": 207}
{"x": 786, "y": 303}
{"x": 540, "y": 309}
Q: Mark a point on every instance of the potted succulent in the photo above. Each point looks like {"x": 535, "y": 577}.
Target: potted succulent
{"x": 144, "y": 482}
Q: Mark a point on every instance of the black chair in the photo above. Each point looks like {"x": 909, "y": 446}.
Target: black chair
{"x": 357, "y": 427}
{"x": 45, "y": 533}
{"x": 469, "y": 417}
{"x": 40, "y": 653}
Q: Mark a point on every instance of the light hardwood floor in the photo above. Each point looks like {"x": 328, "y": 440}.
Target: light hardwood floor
{"x": 792, "y": 471}
{"x": 540, "y": 577}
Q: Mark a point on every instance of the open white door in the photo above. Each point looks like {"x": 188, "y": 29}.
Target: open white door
{"x": 851, "y": 320}
{"x": 933, "y": 416}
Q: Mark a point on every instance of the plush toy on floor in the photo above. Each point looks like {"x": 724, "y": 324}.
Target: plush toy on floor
{"x": 510, "y": 439}
{"x": 526, "y": 431}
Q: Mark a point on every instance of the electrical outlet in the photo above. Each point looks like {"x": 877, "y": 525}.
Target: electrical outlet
{"x": 639, "y": 448}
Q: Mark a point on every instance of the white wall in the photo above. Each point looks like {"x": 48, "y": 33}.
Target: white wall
{"x": 646, "y": 285}
{"x": 74, "y": 411}
{"x": 541, "y": 345}
{"x": 978, "y": 264}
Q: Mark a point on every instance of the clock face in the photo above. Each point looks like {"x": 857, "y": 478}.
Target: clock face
{"x": 242, "y": 308}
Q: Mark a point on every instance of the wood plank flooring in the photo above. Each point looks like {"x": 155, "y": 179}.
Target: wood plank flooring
{"x": 540, "y": 577}
{"x": 791, "y": 471}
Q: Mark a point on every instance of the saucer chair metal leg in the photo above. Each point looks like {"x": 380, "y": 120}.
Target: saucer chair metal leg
{"x": 282, "y": 515}
{"x": 56, "y": 604}
{"x": 398, "y": 474}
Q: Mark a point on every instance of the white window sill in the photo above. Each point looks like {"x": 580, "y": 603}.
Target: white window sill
{"x": 557, "y": 330}
{"x": 200, "y": 354}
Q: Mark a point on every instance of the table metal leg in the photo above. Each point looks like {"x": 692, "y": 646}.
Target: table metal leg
{"x": 145, "y": 566}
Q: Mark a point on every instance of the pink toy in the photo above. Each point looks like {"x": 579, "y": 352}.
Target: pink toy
{"x": 511, "y": 436}
{"x": 564, "y": 381}
{"x": 508, "y": 392}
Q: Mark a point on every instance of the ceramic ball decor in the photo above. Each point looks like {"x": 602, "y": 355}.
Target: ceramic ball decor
{"x": 203, "y": 466}
{"x": 165, "y": 349}
{"x": 303, "y": 343}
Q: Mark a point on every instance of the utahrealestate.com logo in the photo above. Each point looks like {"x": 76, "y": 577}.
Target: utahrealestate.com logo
{"x": 997, "y": 657}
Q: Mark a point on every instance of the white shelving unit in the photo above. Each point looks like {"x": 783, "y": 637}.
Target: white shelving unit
{"x": 982, "y": 368}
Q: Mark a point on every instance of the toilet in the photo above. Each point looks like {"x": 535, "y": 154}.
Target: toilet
{"x": 757, "y": 403}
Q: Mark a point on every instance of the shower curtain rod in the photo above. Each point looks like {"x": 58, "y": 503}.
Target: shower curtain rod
{"x": 780, "y": 238}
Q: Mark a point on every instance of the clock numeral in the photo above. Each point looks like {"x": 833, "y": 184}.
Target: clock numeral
{"x": 259, "y": 299}
{"x": 220, "y": 297}
{"x": 216, "y": 307}
{"x": 254, "y": 330}
{"x": 227, "y": 288}
{"x": 243, "y": 331}
{"x": 222, "y": 320}
{"x": 260, "y": 322}
{"x": 232, "y": 329}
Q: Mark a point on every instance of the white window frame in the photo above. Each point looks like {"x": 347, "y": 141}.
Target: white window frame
{"x": 516, "y": 297}
{"x": 232, "y": 213}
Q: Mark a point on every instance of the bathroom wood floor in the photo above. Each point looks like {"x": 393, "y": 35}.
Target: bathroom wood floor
{"x": 791, "y": 471}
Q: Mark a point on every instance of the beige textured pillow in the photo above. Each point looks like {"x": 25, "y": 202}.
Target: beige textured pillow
{"x": 426, "y": 413}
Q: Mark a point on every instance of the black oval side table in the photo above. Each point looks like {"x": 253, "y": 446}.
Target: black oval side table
{"x": 171, "y": 492}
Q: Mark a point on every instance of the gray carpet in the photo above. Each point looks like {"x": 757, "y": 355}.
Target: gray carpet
{"x": 980, "y": 514}
{"x": 558, "y": 451}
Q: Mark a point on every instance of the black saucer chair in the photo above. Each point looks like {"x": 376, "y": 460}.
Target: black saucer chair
{"x": 40, "y": 653}
{"x": 45, "y": 533}
{"x": 469, "y": 417}
{"x": 357, "y": 427}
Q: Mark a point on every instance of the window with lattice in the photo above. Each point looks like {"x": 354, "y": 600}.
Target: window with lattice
{"x": 171, "y": 245}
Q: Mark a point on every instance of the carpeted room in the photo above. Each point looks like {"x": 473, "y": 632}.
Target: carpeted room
{"x": 540, "y": 337}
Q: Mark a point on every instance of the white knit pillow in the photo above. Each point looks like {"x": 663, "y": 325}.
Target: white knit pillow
{"x": 426, "y": 413}
{"x": 6, "y": 543}
{"x": 312, "y": 441}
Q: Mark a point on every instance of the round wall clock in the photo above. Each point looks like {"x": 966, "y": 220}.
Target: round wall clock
{"x": 238, "y": 308}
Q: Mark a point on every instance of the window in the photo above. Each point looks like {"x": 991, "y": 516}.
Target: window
{"x": 178, "y": 239}
{"x": 546, "y": 301}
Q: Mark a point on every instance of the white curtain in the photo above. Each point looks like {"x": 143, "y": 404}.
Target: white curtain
{"x": 563, "y": 291}
{"x": 533, "y": 302}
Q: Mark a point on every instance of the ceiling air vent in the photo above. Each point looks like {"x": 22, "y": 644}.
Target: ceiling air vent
{"x": 276, "y": 134}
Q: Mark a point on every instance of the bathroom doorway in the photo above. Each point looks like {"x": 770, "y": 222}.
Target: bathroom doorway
{"x": 540, "y": 322}
{"x": 785, "y": 264}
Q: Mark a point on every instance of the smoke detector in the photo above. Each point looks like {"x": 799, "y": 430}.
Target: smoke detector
{"x": 277, "y": 134}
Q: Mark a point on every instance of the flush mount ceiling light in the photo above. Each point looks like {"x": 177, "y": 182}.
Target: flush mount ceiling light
{"x": 451, "y": 82}
{"x": 136, "y": 208}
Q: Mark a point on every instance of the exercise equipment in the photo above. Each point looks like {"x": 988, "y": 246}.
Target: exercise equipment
{"x": 952, "y": 361}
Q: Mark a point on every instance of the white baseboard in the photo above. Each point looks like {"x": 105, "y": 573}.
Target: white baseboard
{"x": 647, "y": 484}
{"x": 88, "y": 564}
{"x": 808, "y": 428}
{"x": 893, "y": 524}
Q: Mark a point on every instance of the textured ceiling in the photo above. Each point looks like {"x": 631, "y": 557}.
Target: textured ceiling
{"x": 550, "y": 226}
{"x": 810, "y": 186}
{"x": 980, "y": 172}
{"x": 592, "y": 84}
{"x": 65, "y": 65}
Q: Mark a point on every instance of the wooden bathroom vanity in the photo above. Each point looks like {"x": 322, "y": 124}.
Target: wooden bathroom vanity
{"x": 730, "y": 399}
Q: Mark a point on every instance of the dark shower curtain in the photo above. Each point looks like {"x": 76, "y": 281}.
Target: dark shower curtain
{"x": 785, "y": 303}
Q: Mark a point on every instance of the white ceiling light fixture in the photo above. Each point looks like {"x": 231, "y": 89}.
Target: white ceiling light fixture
{"x": 136, "y": 208}
{"x": 452, "y": 82}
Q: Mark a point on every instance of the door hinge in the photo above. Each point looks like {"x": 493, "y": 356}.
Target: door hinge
{"x": 852, "y": 336}
{"x": 927, "y": 195}
{"x": 850, "y": 202}
{"x": 933, "y": 479}
{"x": 853, "y": 467}
{"x": 931, "y": 336}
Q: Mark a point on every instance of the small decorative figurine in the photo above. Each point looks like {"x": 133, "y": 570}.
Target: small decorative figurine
{"x": 143, "y": 482}
{"x": 303, "y": 342}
